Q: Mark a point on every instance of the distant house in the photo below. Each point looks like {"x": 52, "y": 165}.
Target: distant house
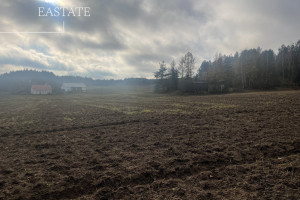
{"x": 200, "y": 86}
{"x": 41, "y": 89}
{"x": 218, "y": 87}
{"x": 73, "y": 87}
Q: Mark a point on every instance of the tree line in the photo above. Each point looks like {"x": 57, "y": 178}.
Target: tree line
{"x": 250, "y": 69}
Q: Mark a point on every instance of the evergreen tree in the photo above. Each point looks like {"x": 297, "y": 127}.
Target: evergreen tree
{"x": 173, "y": 76}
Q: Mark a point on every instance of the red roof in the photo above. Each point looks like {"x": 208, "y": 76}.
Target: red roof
{"x": 41, "y": 87}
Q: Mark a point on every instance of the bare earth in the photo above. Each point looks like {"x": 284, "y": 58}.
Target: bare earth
{"x": 139, "y": 145}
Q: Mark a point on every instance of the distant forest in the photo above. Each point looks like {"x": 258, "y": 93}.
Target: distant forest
{"x": 19, "y": 82}
{"x": 250, "y": 69}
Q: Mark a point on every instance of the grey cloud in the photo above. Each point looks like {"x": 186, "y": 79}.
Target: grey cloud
{"x": 135, "y": 35}
{"x": 22, "y": 62}
{"x": 99, "y": 74}
{"x": 69, "y": 43}
{"x": 26, "y": 62}
{"x": 145, "y": 62}
{"x": 24, "y": 14}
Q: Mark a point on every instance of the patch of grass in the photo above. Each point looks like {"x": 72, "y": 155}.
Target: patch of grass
{"x": 176, "y": 111}
{"x": 30, "y": 122}
{"x": 130, "y": 112}
{"x": 223, "y": 106}
{"x": 204, "y": 106}
{"x": 68, "y": 119}
{"x": 146, "y": 111}
{"x": 178, "y": 105}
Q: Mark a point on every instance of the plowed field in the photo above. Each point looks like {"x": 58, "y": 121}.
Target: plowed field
{"x": 140, "y": 145}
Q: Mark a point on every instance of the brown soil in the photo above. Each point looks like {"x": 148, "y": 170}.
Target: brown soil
{"x": 146, "y": 146}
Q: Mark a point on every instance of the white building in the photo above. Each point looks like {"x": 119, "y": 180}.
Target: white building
{"x": 41, "y": 89}
{"x": 73, "y": 87}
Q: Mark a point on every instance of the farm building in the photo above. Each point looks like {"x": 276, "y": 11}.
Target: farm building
{"x": 200, "y": 86}
{"x": 219, "y": 87}
{"x": 41, "y": 89}
{"x": 73, "y": 87}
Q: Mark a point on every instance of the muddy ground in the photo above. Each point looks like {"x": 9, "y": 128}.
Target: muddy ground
{"x": 140, "y": 145}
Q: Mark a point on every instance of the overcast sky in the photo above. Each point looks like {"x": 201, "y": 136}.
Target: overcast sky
{"x": 128, "y": 38}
